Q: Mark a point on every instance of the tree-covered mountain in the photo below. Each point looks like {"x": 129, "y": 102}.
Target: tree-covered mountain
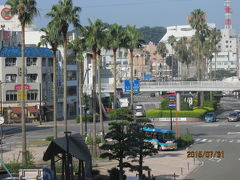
{"x": 153, "y": 34}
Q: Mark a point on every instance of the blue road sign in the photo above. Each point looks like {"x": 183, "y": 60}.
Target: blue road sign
{"x": 147, "y": 76}
{"x": 127, "y": 86}
{"x": 136, "y": 86}
{"x": 172, "y": 100}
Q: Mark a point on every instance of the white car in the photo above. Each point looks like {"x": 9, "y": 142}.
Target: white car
{"x": 139, "y": 106}
{"x": 139, "y": 113}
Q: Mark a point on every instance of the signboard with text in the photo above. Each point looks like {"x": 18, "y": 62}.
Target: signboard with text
{"x": 172, "y": 100}
{"x": 19, "y": 87}
{"x": 136, "y": 86}
{"x": 20, "y": 95}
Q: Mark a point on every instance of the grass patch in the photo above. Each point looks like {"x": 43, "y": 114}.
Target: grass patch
{"x": 39, "y": 143}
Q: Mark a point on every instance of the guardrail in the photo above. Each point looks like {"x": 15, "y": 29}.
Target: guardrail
{"x": 177, "y": 86}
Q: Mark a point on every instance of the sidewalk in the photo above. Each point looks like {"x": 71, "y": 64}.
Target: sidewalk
{"x": 163, "y": 165}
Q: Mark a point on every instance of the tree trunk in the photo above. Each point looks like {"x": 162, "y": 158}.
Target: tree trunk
{"x": 24, "y": 145}
{"x": 215, "y": 68}
{"x": 81, "y": 95}
{"x": 65, "y": 83}
{"x": 94, "y": 63}
{"x": 121, "y": 169}
{"x": 100, "y": 96}
{"x": 54, "y": 94}
{"x": 131, "y": 77}
{"x": 115, "y": 79}
{"x": 141, "y": 164}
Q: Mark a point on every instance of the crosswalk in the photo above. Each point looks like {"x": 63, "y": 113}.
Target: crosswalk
{"x": 208, "y": 140}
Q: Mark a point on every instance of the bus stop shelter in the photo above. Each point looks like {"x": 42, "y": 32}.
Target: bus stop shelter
{"x": 66, "y": 148}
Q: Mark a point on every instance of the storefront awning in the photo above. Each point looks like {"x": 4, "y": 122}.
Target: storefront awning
{"x": 16, "y": 110}
{"x": 32, "y": 109}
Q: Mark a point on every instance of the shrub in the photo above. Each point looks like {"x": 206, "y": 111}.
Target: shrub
{"x": 157, "y": 113}
{"x": 114, "y": 174}
{"x": 121, "y": 114}
{"x": 184, "y": 140}
{"x": 89, "y": 118}
{"x": 49, "y": 138}
{"x": 89, "y": 140}
{"x": 14, "y": 167}
{"x": 184, "y": 105}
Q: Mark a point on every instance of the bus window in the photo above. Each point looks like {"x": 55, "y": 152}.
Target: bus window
{"x": 148, "y": 135}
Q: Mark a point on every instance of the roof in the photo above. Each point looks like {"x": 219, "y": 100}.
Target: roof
{"x": 15, "y": 51}
{"x": 77, "y": 148}
{"x": 158, "y": 130}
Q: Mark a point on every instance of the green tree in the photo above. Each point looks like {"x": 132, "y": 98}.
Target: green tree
{"x": 152, "y": 34}
{"x": 26, "y": 11}
{"x": 115, "y": 38}
{"x": 78, "y": 46}
{"x": 63, "y": 15}
{"x": 118, "y": 149}
{"x": 162, "y": 50}
{"x": 139, "y": 148}
{"x": 52, "y": 36}
{"x": 131, "y": 41}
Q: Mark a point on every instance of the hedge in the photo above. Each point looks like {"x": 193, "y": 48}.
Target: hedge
{"x": 121, "y": 114}
{"x": 158, "y": 113}
{"x": 184, "y": 140}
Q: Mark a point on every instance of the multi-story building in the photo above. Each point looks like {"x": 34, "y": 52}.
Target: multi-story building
{"x": 39, "y": 78}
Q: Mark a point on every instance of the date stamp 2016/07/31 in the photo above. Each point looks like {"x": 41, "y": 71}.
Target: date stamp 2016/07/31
{"x": 205, "y": 154}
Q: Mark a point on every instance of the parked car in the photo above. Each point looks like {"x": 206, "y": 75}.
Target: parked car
{"x": 139, "y": 112}
{"x": 210, "y": 117}
{"x": 233, "y": 116}
{"x": 139, "y": 106}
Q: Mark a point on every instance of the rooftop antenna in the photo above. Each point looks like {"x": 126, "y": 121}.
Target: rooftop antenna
{"x": 228, "y": 14}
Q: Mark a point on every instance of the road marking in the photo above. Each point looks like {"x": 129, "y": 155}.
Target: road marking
{"x": 230, "y": 141}
{"x": 223, "y": 140}
{"x": 233, "y": 133}
{"x": 209, "y": 140}
{"x": 239, "y": 159}
{"x": 197, "y": 139}
{"x": 204, "y": 140}
{"x": 218, "y": 140}
{"x": 237, "y": 125}
{"x": 238, "y": 141}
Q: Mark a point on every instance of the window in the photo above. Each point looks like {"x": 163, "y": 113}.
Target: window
{"x": 226, "y": 46}
{"x": 72, "y": 91}
{"x": 11, "y": 95}
{"x": 226, "y": 41}
{"x": 31, "y": 78}
{"x": 120, "y": 54}
{"x": 32, "y": 94}
{"x": 50, "y": 62}
{"x": 71, "y": 75}
{"x": 31, "y": 61}
{"x": 11, "y": 78}
{"x": 10, "y": 62}
{"x": 51, "y": 77}
{"x": 44, "y": 77}
{"x": 44, "y": 61}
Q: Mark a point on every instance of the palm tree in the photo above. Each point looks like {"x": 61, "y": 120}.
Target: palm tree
{"x": 162, "y": 50}
{"x": 93, "y": 34}
{"x": 26, "y": 11}
{"x": 172, "y": 40}
{"x": 197, "y": 20}
{"x": 78, "y": 46}
{"x": 184, "y": 52}
{"x": 115, "y": 35}
{"x": 132, "y": 41}
{"x": 64, "y": 14}
{"x": 53, "y": 37}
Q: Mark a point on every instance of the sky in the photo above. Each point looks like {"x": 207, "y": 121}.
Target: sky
{"x": 144, "y": 12}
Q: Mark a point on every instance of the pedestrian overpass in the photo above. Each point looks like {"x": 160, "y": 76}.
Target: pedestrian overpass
{"x": 178, "y": 86}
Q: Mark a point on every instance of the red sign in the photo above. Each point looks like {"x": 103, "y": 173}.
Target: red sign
{"x": 6, "y": 14}
{"x": 19, "y": 87}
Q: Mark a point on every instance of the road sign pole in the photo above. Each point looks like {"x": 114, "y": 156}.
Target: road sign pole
{"x": 171, "y": 117}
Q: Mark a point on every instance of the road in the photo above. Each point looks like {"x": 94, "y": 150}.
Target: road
{"x": 220, "y": 136}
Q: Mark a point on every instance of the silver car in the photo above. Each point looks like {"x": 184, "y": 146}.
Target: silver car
{"x": 139, "y": 113}
{"x": 233, "y": 116}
